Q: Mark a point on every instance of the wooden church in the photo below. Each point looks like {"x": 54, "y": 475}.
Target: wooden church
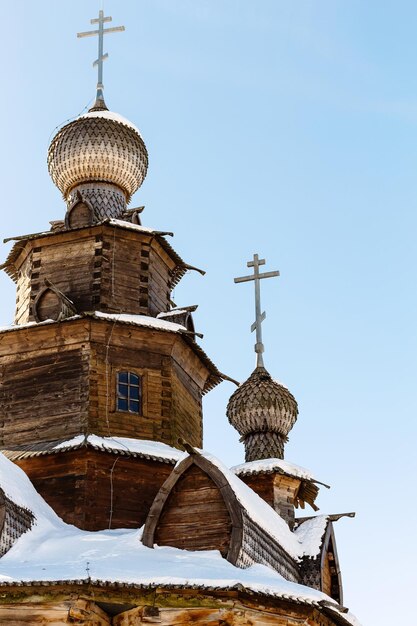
{"x": 111, "y": 512}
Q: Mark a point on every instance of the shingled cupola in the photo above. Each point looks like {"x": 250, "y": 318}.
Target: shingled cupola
{"x": 263, "y": 411}
{"x": 97, "y": 161}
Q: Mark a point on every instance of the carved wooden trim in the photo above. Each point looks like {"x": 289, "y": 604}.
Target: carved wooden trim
{"x": 67, "y": 307}
{"x": 78, "y": 200}
{"x": 232, "y": 504}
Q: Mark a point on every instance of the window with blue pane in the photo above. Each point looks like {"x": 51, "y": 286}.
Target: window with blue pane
{"x": 129, "y": 392}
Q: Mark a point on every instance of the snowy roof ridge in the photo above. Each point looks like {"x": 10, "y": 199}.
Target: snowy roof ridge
{"x": 124, "y": 318}
{"x": 130, "y": 226}
{"x": 140, "y": 320}
{"x": 125, "y": 445}
{"x": 136, "y": 448}
{"x": 271, "y": 465}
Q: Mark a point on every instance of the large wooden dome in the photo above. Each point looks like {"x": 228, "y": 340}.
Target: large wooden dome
{"x": 99, "y": 146}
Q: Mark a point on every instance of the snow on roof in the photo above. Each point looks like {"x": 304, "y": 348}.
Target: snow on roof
{"x": 272, "y": 465}
{"x": 311, "y": 533}
{"x": 171, "y": 313}
{"x": 259, "y": 511}
{"x": 139, "y": 320}
{"x": 142, "y": 320}
{"x": 53, "y": 551}
{"x": 142, "y": 229}
{"x": 141, "y": 447}
{"x": 18, "y": 488}
{"x": 110, "y": 115}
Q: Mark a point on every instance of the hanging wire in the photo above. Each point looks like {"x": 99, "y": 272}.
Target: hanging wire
{"x": 70, "y": 119}
{"x": 112, "y": 493}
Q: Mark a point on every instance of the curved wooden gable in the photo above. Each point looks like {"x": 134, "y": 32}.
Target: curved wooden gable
{"x": 196, "y": 509}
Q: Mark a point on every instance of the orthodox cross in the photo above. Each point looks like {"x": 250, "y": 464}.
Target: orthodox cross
{"x": 101, "y": 56}
{"x": 257, "y": 325}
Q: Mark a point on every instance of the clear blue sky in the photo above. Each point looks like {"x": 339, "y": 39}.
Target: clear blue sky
{"x": 287, "y": 128}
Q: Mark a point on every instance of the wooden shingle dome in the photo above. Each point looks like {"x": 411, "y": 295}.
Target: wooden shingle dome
{"x": 101, "y": 156}
{"x": 263, "y": 411}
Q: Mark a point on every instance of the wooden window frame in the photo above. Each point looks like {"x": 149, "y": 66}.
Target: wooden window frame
{"x": 129, "y": 386}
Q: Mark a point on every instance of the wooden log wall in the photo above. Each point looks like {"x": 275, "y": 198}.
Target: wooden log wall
{"x": 69, "y": 265}
{"x": 171, "y": 396}
{"x": 79, "y": 486}
{"x": 187, "y": 410}
{"x": 98, "y": 268}
{"x": 59, "y": 380}
{"x": 160, "y": 270}
{"x": 122, "y": 281}
{"x": 278, "y": 490}
{"x": 195, "y": 516}
{"x": 43, "y": 384}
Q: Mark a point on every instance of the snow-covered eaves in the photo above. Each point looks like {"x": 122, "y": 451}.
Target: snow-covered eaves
{"x": 124, "y": 318}
{"x": 123, "y": 446}
{"x": 269, "y": 466}
{"x": 141, "y": 320}
{"x": 311, "y": 532}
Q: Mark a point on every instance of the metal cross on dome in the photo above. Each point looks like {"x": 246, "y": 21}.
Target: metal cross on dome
{"x": 101, "y": 56}
{"x": 257, "y": 325}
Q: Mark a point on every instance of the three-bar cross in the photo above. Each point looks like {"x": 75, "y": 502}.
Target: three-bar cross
{"x": 257, "y": 325}
{"x": 101, "y": 57}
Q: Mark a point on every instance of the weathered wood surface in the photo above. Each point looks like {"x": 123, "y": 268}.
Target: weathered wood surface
{"x": 195, "y": 516}
{"x": 101, "y": 267}
{"x": 80, "y": 611}
{"x": 172, "y": 386}
{"x": 78, "y": 485}
{"x": 43, "y": 388}
{"x": 88, "y": 613}
{"x": 59, "y": 380}
{"x": 278, "y": 490}
{"x": 188, "y": 606}
{"x": 202, "y": 617}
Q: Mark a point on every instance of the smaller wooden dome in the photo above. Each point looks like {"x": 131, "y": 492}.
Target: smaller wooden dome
{"x": 263, "y": 411}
